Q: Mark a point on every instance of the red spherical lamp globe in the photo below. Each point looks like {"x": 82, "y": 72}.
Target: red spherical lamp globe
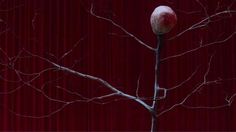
{"x": 163, "y": 19}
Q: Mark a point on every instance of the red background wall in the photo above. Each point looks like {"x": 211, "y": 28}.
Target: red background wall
{"x": 50, "y": 28}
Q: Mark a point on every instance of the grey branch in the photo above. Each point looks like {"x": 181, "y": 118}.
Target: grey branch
{"x": 121, "y": 28}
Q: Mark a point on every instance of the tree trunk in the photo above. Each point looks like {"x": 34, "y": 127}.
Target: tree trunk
{"x": 154, "y": 124}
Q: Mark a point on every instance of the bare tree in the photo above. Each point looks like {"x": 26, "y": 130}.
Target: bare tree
{"x": 201, "y": 77}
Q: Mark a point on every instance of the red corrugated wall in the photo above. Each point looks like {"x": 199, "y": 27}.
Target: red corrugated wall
{"x": 50, "y": 28}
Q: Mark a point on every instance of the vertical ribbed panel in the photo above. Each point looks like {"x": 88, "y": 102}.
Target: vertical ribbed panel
{"x": 52, "y": 28}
